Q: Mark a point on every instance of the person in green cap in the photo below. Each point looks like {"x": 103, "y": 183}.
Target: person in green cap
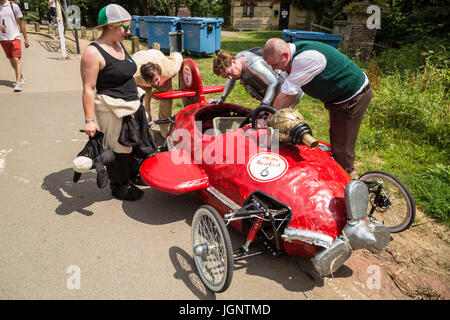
{"x": 324, "y": 73}
{"x": 110, "y": 94}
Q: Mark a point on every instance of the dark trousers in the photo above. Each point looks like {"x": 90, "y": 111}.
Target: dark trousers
{"x": 345, "y": 121}
{"x": 119, "y": 170}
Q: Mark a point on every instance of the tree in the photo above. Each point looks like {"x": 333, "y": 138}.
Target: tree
{"x": 408, "y": 20}
{"x": 412, "y": 20}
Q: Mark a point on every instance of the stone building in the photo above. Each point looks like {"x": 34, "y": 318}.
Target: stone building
{"x": 358, "y": 38}
{"x": 269, "y": 15}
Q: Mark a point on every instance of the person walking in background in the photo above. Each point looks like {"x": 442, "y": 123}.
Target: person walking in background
{"x": 52, "y": 7}
{"x": 324, "y": 73}
{"x": 10, "y": 23}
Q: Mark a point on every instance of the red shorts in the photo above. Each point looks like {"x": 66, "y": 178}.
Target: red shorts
{"x": 12, "y": 48}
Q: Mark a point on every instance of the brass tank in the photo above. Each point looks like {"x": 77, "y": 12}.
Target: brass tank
{"x": 292, "y": 128}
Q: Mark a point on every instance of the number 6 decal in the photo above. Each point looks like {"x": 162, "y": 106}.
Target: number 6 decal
{"x": 267, "y": 167}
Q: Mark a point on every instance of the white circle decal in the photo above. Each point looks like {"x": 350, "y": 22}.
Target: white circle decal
{"x": 187, "y": 75}
{"x": 267, "y": 166}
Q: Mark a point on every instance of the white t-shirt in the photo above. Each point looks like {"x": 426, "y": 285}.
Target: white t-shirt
{"x": 308, "y": 64}
{"x": 7, "y": 15}
{"x": 53, "y": 4}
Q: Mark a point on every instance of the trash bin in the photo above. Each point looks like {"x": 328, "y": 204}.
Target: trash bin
{"x": 176, "y": 40}
{"x": 142, "y": 28}
{"x": 297, "y": 35}
{"x": 199, "y": 35}
{"x": 218, "y": 30}
{"x": 158, "y": 29}
{"x": 288, "y": 35}
{"x": 134, "y": 31}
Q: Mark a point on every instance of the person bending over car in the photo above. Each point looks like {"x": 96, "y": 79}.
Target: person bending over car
{"x": 323, "y": 72}
{"x": 154, "y": 74}
{"x": 257, "y": 77}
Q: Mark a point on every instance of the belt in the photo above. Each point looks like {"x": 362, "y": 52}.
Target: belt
{"x": 365, "y": 88}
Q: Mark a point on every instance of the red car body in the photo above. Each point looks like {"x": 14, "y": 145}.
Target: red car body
{"x": 227, "y": 168}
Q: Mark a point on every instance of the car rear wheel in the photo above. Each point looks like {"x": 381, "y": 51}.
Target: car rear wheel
{"x": 213, "y": 253}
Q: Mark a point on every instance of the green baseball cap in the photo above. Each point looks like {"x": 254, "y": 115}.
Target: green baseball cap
{"x": 112, "y": 13}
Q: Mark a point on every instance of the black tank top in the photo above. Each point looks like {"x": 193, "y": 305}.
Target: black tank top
{"x": 116, "y": 78}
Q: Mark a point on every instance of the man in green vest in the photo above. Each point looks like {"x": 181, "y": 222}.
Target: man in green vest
{"x": 323, "y": 72}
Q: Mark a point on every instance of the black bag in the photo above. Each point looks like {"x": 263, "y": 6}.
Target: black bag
{"x": 94, "y": 150}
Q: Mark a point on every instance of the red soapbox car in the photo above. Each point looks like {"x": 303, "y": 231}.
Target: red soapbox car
{"x": 288, "y": 198}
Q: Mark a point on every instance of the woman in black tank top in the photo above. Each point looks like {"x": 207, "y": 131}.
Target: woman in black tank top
{"x": 116, "y": 78}
{"x": 107, "y": 69}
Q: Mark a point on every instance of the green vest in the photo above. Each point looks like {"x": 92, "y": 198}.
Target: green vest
{"x": 340, "y": 79}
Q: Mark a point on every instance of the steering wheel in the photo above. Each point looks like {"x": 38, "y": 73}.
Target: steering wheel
{"x": 246, "y": 120}
{"x": 257, "y": 112}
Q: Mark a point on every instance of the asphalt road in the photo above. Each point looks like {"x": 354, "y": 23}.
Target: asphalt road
{"x": 65, "y": 240}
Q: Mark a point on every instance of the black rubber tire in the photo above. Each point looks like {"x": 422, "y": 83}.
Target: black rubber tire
{"x": 207, "y": 217}
{"x": 398, "y": 193}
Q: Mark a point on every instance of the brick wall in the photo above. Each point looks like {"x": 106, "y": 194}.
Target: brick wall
{"x": 357, "y": 38}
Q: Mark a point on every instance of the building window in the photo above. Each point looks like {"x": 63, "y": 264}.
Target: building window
{"x": 244, "y": 9}
{"x": 252, "y": 9}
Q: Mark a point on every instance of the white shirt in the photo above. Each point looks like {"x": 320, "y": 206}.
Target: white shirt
{"x": 7, "y": 15}
{"x": 52, "y": 4}
{"x": 308, "y": 64}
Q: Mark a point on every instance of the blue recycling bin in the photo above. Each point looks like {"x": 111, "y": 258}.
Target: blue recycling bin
{"x": 158, "y": 28}
{"x": 218, "y": 30}
{"x": 200, "y": 34}
{"x": 142, "y": 28}
{"x": 134, "y": 31}
{"x": 297, "y": 35}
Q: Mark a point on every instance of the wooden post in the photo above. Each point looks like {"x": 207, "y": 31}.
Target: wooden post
{"x": 134, "y": 44}
{"x": 94, "y": 34}
{"x": 83, "y": 32}
{"x": 156, "y": 46}
{"x": 37, "y": 27}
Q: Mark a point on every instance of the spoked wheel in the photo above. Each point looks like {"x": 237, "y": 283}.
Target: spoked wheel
{"x": 390, "y": 201}
{"x": 213, "y": 253}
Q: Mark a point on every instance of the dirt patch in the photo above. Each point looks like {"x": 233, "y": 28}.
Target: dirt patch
{"x": 415, "y": 265}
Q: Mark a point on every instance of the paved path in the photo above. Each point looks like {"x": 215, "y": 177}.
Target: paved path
{"x": 233, "y": 34}
{"x": 53, "y": 228}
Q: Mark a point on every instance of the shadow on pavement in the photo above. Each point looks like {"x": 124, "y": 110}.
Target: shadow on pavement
{"x": 295, "y": 274}
{"x": 158, "y": 208}
{"x": 75, "y": 197}
{"x": 52, "y": 46}
{"x": 186, "y": 271}
{"x": 7, "y": 83}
